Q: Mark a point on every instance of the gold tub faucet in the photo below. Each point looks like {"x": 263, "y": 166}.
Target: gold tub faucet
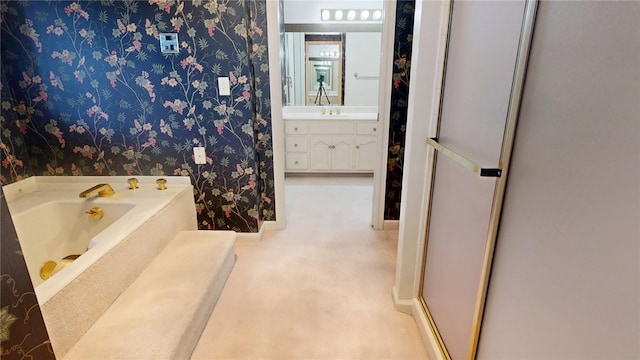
{"x": 103, "y": 190}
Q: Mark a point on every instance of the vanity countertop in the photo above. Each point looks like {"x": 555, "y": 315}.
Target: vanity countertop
{"x": 341, "y": 116}
{"x": 316, "y": 113}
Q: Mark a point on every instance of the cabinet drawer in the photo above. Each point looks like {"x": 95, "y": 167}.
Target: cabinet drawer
{"x": 333, "y": 127}
{"x": 295, "y": 128}
{"x": 296, "y": 161}
{"x": 369, "y": 128}
{"x": 296, "y": 144}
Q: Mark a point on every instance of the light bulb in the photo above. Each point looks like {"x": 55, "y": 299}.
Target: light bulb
{"x": 338, "y": 15}
{"x": 326, "y": 15}
{"x": 364, "y": 15}
{"x": 377, "y": 15}
{"x": 351, "y": 15}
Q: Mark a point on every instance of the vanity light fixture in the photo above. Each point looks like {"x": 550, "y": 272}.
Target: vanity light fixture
{"x": 370, "y": 15}
{"x": 334, "y": 54}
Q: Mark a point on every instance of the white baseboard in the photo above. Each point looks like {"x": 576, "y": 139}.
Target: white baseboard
{"x": 405, "y": 306}
{"x": 273, "y": 225}
{"x": 391, "y": 225}
{"x": 251, "y": 237}
{"x": 428, "y": 336}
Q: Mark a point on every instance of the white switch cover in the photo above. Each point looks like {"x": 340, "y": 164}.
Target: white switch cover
{"x": 199, "y": 156}
{"x": 223, "y": 86}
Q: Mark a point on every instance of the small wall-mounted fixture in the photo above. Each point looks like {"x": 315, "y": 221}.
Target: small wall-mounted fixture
{"x": 351, "y": 15}
{"x": 169, "y": 43}
{"x": 224, "y": 86}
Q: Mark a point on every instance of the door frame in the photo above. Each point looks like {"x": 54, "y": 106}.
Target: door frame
{"x": 275, "y": 25}
{"x": 384, "y": 114}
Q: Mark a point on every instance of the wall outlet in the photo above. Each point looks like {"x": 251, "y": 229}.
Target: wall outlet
{"x": 224, "y": 86}
{"x": 199, "y": 155}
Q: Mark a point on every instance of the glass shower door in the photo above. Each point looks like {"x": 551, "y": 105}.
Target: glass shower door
{"x": 482, "y": 57}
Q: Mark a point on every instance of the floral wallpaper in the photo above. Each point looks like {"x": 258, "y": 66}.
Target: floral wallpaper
{"x": 86, "y": 91}
{"x": 399, "y": 106}
{"x": 22, "y": 331}
{"x": 262, "y": 107}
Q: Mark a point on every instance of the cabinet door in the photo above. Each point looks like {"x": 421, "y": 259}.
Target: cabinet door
{"x": 365, "y": 153}
{"x": 320, "y": 152}
{"x": 342, "y": 152}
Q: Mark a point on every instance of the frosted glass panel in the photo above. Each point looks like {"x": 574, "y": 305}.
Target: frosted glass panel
{"x": 480, "y": 64}
{"x": 481, "y": 59}
{"x": 457, "y": 234}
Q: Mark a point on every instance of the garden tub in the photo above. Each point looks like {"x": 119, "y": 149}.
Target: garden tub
{"x": 52, "y": 223}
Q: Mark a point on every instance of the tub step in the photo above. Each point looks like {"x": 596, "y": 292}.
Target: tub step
{"x": 162, "y": 314}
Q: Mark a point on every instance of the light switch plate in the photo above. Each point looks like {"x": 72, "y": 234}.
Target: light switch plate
{"x": 199, "y": 155}
{"x": 224, "y": 86}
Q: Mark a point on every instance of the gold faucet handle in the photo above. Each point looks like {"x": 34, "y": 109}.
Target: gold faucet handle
{"x": 133, "y": 183}
{"x": 162, "y": 184}
{"x": 95, "y": 213}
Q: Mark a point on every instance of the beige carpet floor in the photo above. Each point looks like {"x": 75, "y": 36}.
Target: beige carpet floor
{"x": 320, "y": 289}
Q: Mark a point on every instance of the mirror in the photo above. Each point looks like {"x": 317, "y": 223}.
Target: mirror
{"x": 349, "y": 63}
{"x": 323, "y": 73}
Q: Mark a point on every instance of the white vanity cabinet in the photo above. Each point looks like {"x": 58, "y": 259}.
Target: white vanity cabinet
{"x": 340, "y": 145}
{"x": 296, "y": 146}
{"x": 365, "y": 146}
{"x": 331, "y": 152}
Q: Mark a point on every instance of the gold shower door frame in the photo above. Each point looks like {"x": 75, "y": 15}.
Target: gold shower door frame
{"x": 500, "y": 172}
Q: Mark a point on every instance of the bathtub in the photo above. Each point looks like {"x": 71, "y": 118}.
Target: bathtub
{"x": 56, "y": 229}
{"x": 51, "y": 223}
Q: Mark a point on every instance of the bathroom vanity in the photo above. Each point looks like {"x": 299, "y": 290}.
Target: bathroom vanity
{"x": 330, "y": 139}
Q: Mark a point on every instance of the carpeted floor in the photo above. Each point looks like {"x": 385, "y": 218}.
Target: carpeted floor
{"x": 320, "y": 289}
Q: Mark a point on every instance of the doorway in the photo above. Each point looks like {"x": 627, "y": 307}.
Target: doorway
{"x": 361, "y": 151}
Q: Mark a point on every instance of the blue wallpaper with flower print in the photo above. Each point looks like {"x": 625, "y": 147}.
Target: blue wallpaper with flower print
{"x": 259, "y": 60}
{"x": 399, "y": 106}
{"x": 86, "y": 91}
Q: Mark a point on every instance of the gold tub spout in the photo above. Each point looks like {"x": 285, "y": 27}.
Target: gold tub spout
{"x": 102, "y": 190}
